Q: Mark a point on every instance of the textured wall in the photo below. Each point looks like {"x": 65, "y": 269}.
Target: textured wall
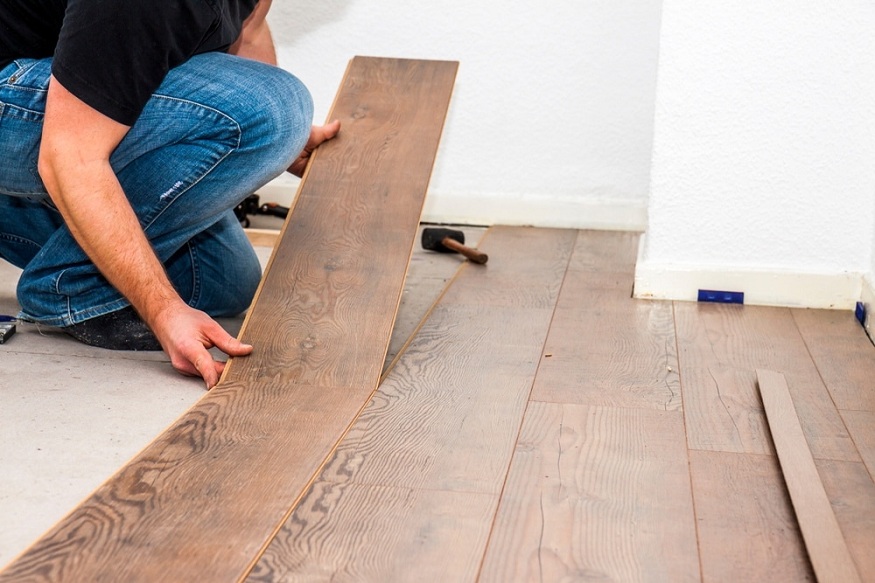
{"x": 553, "y": 106}
{"x": 764, "y": 145}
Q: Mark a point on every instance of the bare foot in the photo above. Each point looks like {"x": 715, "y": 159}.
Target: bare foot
{"x": 318, "y": 134}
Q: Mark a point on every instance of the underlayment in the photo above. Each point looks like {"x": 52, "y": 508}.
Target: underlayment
{"x": 71, "y": 414}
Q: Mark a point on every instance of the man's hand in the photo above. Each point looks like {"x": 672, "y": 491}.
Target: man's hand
{"x": 318, "y": 134}
{"x": 186, "y": 335}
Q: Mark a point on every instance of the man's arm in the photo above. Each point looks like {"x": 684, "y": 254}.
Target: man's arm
{"x": 74, "y": 165}
{"x": 256, "y": 43}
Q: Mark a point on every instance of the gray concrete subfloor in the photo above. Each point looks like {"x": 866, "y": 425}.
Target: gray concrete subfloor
{"x": 72, "y": 415}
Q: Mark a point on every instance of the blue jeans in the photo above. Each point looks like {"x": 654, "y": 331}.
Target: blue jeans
{"x": 217, "y": 129}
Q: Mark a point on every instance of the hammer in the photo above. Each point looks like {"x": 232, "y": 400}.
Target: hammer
{"x": 450, "y": 241}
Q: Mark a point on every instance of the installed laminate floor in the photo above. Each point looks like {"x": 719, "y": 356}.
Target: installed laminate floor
{"x": 541, "y": 425}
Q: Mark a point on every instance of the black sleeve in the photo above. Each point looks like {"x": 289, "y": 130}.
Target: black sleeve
{"x": 113, "y": 54}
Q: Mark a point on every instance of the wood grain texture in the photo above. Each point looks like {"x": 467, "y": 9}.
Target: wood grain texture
{"x": 596, "y": 494}
{"x": 201, "y": 501}
{"x": 427, "y": 277}
{"x": 724, "y": 411}
{"x": 721, "y": 346}
{"x": 861, "y": 426}
{"x": 443, "y": 424}
{"x": 521, "y": 272}
{"x": 852, "y": 495}
{"x": 823, "y": 537}
{"x": 844, "y": 355}
{"x": 606, "y": 348}
{"x": 409, "y": 535}
{"x": 745, "y": 522}
{"x": 605, "y": 251}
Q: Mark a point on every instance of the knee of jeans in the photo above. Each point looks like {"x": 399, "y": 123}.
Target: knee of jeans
{"x": 284, "y": 115}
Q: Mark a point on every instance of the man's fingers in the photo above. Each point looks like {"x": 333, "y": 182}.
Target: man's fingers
{"x": 329, "y": 130}
{"x": 225, "y": 342}
{"x": 206, "y": 368}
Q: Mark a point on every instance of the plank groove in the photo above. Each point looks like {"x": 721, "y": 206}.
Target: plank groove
{"x": 200, "y": 502}
{"x": 823, "y": 537}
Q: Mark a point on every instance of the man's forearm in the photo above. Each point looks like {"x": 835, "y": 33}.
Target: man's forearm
{"x": 101, "y": 220}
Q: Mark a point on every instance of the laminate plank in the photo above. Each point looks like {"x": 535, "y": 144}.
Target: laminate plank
{"x": 605, "y": 251}
{"x": 844, "y": 355}
{"x": 852, "y": 495}
{"x": 527, "y": 251}
{"x": 719, "y": 347}
{"x": 823, "y": 537}
{"x": 330, "y": 538}
{"x": 745, "y": 522}
{"x": 861, "y": 426}
{"x": 201, "y": 501}
{"x": 443, "y": 423}
{"x": 427, "y": 277}
{"x": 724, "y": 410}
{"x": 596, "y": 494}
{"x": 606, "y": 348}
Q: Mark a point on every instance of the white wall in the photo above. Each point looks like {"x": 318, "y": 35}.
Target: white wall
{"x": 763, "y": 170}
{"x": 552, "y": 117}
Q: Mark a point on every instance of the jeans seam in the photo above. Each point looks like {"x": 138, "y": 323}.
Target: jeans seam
{"x": 17, "y": 239}
{"x": 195, "y": 276}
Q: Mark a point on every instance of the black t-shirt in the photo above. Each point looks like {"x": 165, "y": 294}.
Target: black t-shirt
{"x": 113, "y": 54}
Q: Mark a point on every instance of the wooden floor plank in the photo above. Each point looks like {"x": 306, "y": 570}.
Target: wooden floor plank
{"x": 606, "y": 348}
{"x": 844, "y": 355}
{"x": 443, "y": 424}
{"x": 852, "y": 495}
{"x": 823, "y": 537}
{"x": 595, "y": 493}
{"x": 719, "y": 348}
{"x": 332, "y": 538}
{"x": 605, "y": 251}
{"x": 861, "y": 426}
{"x": 521, "y": 250}
{"x": 202, "y": 500}
{"x": 746, "y": 527}
{"x": 428, "y": 276}
{"x": 724, "y": 411}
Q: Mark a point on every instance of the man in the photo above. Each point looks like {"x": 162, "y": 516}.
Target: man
{"x": 128, "y": 133}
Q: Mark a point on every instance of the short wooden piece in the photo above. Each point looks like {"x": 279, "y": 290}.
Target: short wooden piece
{"x": 203, "y": 500}
{"x": 823, "y": 537}
{"x": 262, "y": 237}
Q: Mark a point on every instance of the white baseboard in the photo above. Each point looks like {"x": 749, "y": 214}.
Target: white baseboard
{"x": 570, "y": 212}
{"x": 839, "y": 291}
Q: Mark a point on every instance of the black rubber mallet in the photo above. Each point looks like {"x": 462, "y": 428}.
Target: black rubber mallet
{"x": 450, "y": 241}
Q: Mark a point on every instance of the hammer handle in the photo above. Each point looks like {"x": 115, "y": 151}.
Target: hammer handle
{"x": 472, "y": 254}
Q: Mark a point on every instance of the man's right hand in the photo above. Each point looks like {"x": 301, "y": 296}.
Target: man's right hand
{"x": 186, "y": 335}
{"x": 318, "y": 134}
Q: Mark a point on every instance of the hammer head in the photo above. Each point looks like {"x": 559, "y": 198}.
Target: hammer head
{"x": 432, "y": 239}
